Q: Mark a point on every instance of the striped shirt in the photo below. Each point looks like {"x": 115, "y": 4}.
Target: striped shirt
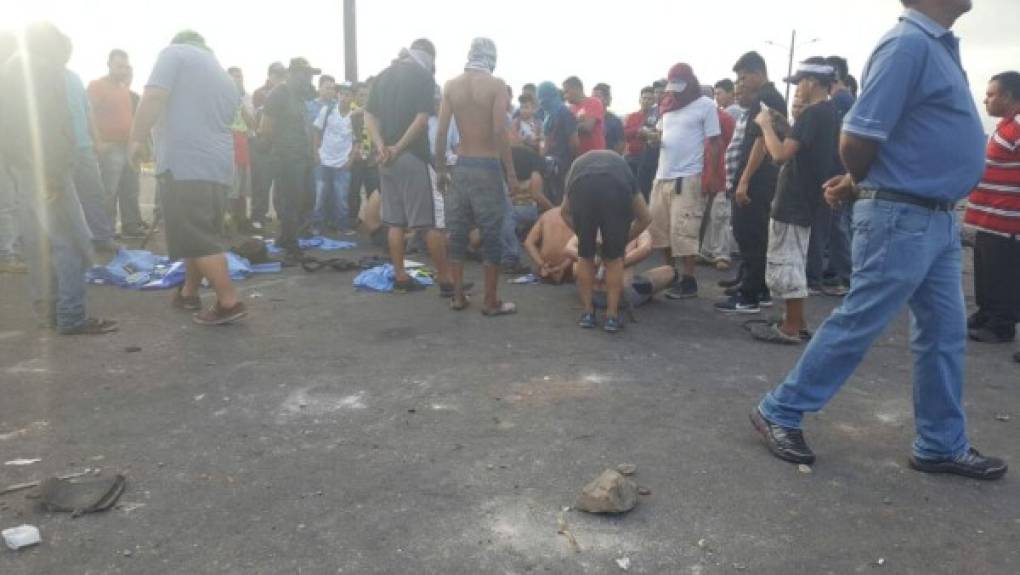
{"x": 994, "y": 206}
{"x": 734, "y": 151}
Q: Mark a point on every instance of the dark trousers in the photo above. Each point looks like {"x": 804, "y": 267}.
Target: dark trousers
{"x": 261, "y": 181}
{"x": 751, "y": 230}
{"x": 290, "y": 196}
{"x": 362, "y": 176}
{"x": 997, "y": 282}
{"x": 128, "y": 191}
{"x": 829, "y": 249}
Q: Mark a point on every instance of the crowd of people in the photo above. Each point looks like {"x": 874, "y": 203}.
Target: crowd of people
{"x": 851, "y": 195}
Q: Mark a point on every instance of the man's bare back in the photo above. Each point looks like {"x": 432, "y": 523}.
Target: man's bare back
{"x": 549, "y": 237}
{"x": 479, "y": 105}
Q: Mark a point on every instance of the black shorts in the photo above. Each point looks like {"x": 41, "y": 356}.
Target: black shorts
{"x": 193, "y": 212}
{"x": 601, "y": 205}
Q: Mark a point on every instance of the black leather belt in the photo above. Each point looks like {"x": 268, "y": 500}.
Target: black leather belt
{"x": 902, "y": 198}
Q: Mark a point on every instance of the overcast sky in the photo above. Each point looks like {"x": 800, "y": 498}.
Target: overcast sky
{"x": 626, "y": 44}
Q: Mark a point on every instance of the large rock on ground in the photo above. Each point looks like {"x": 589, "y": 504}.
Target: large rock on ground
{"x": 610, "y": 492}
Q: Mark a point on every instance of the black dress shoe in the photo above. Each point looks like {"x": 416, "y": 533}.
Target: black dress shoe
{"x": 970, "y": 464}
{"x": 977, "y": 320}
{"x": 786, "y": 443}
{"x": 987, "y": 334}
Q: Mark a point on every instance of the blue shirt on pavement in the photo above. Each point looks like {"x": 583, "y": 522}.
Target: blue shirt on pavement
{"x": 916, "y": 102}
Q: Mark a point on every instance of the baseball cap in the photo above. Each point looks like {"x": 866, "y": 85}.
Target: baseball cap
{"x": 302, "y": 64}
{"x": 815, "y": 67}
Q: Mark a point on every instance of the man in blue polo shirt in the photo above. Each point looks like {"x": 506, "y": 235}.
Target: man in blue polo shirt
{"x": 912, "y": 146}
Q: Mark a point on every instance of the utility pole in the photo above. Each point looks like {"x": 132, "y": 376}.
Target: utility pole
{"x": 789, "y": 65}
{"x": 792, "y": 48}
{"x": 350, "y": 42}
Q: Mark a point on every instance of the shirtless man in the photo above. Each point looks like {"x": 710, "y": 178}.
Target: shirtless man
{"x": 638, "y": 288}
{"x": 477, "y": 192}
{"x": 547, "y": 244}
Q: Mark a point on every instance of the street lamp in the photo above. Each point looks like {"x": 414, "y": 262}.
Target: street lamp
{"x": 791, "y": 48}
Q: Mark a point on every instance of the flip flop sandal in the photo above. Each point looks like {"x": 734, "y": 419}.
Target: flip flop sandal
{"x": 219, "y": 315}
{"x": 459, "y": 306}
{"x": 93, "y": 326}
{"x": 446, "y": 290}
{"x": 771, "y": 333}
{"x": 505, "y": 308}
{"x": 189, "y": 303}
{"x": 411, "y": 285}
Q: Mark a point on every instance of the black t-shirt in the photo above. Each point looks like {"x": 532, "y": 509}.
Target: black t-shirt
{"x": 399, "y": 94}
{"x": 290, "y": 136}
{"x": 526, "y": 163}
{"x": 799, "y": 192}
{"x": 605, "y": 165}
{"x": 764, "y": 180}
{"x": 614, "y": 130}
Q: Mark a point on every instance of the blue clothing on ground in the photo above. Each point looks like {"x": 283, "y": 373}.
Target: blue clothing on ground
{"x": 916, "y": 101}
{"x": 902, "y": 255}
{"x": 382, "y": 278}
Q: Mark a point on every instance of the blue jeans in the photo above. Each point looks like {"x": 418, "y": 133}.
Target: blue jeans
{"x": 525, "y": 216}
{"x": 89, "y": 185}
{"x": 508, "y": 236}
{"x": 57, "y": 250}
{"x": 332, "y": 187}
{"x": 902, "y": 255}
{"x": 8, "y": 211}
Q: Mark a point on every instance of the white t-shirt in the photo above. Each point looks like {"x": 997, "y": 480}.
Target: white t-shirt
{"x": 337, "y": 137}
{"x": 684, "y": 132}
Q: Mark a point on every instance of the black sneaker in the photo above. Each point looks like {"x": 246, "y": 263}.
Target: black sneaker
{"x": 734, "y": 282}
{"x": 613, "y": 325}
{"x": 737, "y": 304}
{"x": 765, "y": 300}
{"x": 732, "y": 291}
{"x": 587, "y": 320}
{"x": 686, "y": 288}
{"x": 814, "y": 290}
{"x": 970, "y": 464}
{"x": 786, "y": 443}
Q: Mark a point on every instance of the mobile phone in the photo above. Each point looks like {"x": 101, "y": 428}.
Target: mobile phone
{"x": 765, "y": 107}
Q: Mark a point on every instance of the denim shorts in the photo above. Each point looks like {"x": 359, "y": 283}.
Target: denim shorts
{"x": 478, "y": 198}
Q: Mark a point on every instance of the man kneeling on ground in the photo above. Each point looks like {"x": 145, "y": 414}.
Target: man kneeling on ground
{"x": 602, "y": 199}
{"x": 547, "y": 243}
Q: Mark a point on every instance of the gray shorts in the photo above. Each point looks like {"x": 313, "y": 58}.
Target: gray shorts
{"x": 193, "y": 212}
{"x": 478, "y": 198}
{"x": 406, "y": 189}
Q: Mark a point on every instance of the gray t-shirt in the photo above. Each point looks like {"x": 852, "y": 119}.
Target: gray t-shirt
{"x": 193, "y": 137}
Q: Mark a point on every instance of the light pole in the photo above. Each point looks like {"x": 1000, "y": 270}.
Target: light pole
{"x": 792, "y": 48}
{"x": 350, "y": 42}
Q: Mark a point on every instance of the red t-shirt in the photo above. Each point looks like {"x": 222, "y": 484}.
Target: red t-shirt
{"x": 113, "y": 109}
{"x": 596, "y": 139}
